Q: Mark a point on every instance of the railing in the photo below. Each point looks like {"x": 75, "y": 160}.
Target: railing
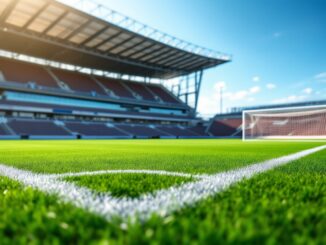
{"x": 98, "y": 10}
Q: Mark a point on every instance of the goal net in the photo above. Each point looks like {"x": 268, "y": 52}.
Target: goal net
{"x": 285, "y": 123}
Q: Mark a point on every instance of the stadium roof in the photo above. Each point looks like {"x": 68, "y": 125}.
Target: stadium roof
{"x": 55, "y": 31}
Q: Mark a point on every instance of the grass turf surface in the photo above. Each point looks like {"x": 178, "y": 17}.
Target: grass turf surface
{"x": 128, "y": 185}
{"x": 285, "y": 205}
{"x": 189, "y": 156}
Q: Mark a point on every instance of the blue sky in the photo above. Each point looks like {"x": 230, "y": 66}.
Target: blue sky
{"x": 278, "y": 46}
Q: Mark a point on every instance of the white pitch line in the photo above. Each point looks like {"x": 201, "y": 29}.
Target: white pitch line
{"x": 161, "y": 202}
{"x": 129, "y": 171}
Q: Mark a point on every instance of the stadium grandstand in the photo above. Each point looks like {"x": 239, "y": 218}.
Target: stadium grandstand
{"x": 76, "y": 69}
{"x": 80, "y": 70}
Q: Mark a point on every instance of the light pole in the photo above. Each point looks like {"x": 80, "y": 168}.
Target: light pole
{"x": 221, "y": 99}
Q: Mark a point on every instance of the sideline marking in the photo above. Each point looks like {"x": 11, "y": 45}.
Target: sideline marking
{"x": 129, "y": 171}
{"x": 161, "y": 202}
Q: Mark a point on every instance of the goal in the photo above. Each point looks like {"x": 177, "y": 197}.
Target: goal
{"x": 307, "y": 122}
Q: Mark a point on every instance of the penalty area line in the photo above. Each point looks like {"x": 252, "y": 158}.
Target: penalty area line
{"x": 161, "y": 202}
{"x": 129, "y": 171}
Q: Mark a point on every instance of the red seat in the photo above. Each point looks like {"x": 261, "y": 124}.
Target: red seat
{"x": 225, "y": 127}
{"x": 141, "y": 90}
{"x": 163, "y": 94}
{"x": 116, "y": 87}
{"x": 78, "y": 82}
{"x": 93, "y": 129}
{"x": 23, "y": 72}
{"x": 36, "y": 128}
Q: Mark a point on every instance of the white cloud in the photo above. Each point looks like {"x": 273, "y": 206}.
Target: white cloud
{"x": 242, "y": 94}
{"x": 321, "y": 77}
{"x": 254, "y": 90}
{"x": 290, "y": 99}
{"x": 238, "y": 95}
{"x": 219, "y": 85}
{"x": 208, "y": 105}
{"x": 256, "y": 79}
{"x": 307, "y": 91}
{"x": 270, "y": 86}
{"x": 306, "y": 94}
{"x": 251, "y": 99}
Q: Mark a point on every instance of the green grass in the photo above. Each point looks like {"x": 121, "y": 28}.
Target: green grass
{"x": 283, "y": 206}
{"x": 192, "y": 156}
{"x": 128, "y": 185}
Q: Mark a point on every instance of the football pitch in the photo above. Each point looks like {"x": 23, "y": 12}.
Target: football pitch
{"x": 162, "y": 192}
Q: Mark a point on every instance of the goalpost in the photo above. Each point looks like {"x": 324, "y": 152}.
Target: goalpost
{"x": 307, "y": 122}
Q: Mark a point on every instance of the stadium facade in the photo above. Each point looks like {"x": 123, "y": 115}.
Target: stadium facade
{"x": 67, "y": 73}
{"x": 76, "y": 69}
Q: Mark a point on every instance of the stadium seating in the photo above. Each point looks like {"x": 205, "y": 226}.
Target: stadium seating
{"x": 93, "y": 129}
{"x": 78, "y": 82}
{"x": 177, "y": 131}
{"x": 225, "y": 127}
{"x": 141, "y": 90}
{"x": 73, "y": 128}
{"x": 199, "y": 129}
{"x": 49, "y": 83}
{"x": 116, "y": 87}
{"x": 141, "y": 130}
{"x": 70, "y": 109}
{"x": 3, "y": 131}
{"x": 34, "y": 127}
{"x": 163, "y": 94}
{"x": 23, "y": 72}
